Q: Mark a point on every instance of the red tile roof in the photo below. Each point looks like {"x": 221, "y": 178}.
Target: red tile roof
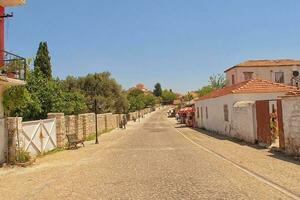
{"x": 250, "y": 86}
{"x": 293, "y": 93}
{"x": 267, "y": 63}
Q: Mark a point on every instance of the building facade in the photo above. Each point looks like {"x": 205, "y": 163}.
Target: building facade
{"x": 231, "y": 110}
{"x": 285, "y": 71}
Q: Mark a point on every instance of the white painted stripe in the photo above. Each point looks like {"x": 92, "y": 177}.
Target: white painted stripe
{"x": 253, "y": 174}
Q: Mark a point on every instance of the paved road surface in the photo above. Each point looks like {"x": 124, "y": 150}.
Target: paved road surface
{"x": 155, "y": 160}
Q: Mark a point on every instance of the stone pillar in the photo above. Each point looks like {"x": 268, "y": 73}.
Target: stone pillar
{"x": 14, "y": 127}
{"x": 60, "y": 128}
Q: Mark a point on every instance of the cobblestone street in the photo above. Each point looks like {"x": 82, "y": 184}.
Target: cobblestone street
{"x": 157, "y": 159}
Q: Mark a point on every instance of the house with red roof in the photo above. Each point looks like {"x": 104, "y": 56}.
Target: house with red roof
{"x": 242, "y": 110}
{"x": 284, "y": 71}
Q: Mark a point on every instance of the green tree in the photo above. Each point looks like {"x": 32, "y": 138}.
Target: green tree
{"x": 188, "y": 97}
{"x": 42, "y": 61}
{"x": 217, "y": 81}
{"x": 150, "y": 100}
{"x": 99, "y": 86}
{"x": 157, "y": 90}
{"x": 136, "y": 100}
{"x": 40, "y": 96}
{"x": 204, "y": 90}
{"x": 168, "y": 97}
{"x": 17, "y": 101}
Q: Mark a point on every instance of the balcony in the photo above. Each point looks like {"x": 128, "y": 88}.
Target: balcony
{"x": 12, "y": 66}
{"x": 12, "y": 3}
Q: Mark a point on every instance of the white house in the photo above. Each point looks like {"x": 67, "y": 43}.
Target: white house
{"x": 231, "y": 110}
{"x": 284, "y": 71}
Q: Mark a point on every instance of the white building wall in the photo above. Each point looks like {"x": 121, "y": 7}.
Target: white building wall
{"x": 291, "y": 124}
{"x": 266, "y": 73}
{"x": 216, "y": 122}
{"x": 243, "y": 124}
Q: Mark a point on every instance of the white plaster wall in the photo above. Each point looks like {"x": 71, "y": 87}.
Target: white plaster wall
{"x": 216, "y": 122}
{"x": 267, "y": 73}
{"x": 291, "y": 124}
{"x": 244, "y": 123}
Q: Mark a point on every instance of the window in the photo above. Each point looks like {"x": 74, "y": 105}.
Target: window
{"x": 226, "y": 113}
{"x": 206, "y": 112}
{"x": 201, "y": 113}
{"x": 248, "y": 75}
{"x": 279, "y": 77}
{"x": 197, "y": 112}
{"x": 232, "y": 79}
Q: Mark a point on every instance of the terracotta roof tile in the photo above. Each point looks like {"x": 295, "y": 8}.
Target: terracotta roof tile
{"x": 267, "y": 63}
{"x": 250, "y": 86}
{"x": 293, "y": 93}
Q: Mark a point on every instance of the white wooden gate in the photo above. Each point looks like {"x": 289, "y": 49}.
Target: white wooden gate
{"x": 3, "y": 141}
{"x": 38, "y": 137}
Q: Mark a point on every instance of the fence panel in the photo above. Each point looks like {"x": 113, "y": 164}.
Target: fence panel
{"x": 38, "y": 137}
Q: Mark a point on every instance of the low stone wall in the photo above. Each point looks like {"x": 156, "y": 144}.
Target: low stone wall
{"x": 101, "y": 122}
{"x": 82, "y": 125}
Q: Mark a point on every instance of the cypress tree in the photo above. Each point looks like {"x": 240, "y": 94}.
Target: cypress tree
{"x": 42, "y": 61}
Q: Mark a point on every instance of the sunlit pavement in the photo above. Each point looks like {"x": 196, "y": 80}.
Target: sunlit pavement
{"x": 154, "y": 160}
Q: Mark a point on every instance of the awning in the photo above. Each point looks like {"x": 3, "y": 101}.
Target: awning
{"x": 186, "y": 110}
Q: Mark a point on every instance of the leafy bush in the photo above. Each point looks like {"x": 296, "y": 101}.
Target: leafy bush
{"x": 22, "y": 156}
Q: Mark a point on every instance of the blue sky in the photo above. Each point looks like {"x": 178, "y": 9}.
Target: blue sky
{"x": 176, "y": 42}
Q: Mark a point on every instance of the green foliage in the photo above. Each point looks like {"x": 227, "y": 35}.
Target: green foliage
{"x": 157, "y": 90}
{"x": 22, "y": 156}
{"x": 136, "y": 100}
{"x": 99, "y": 86}
{"x": 18, "y": 101}
{"x": 40, "y": 96}
{"x": 150, "y": 100}
{"x": 204, "y": 90}
{"x": 168, "y": 97}
{"x": 188, "y": 97}
{"x": 42, "y": 61}
{"x": 217, "y": 81}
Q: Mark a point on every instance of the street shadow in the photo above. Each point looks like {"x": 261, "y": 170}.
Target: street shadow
{"x": 275, "y": 153}
{"x": 283, "y": 156}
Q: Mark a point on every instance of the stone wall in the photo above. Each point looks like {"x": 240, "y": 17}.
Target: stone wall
{"x": 82, "y": 125}
{"x": 70, "y": 123}
{"x": 79, "y": 126}
{"x": 291, "y": 124}
{"x": 101, "y": 122}
{"x": 89, "y": 126}
{"x": 14, "y": 126}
